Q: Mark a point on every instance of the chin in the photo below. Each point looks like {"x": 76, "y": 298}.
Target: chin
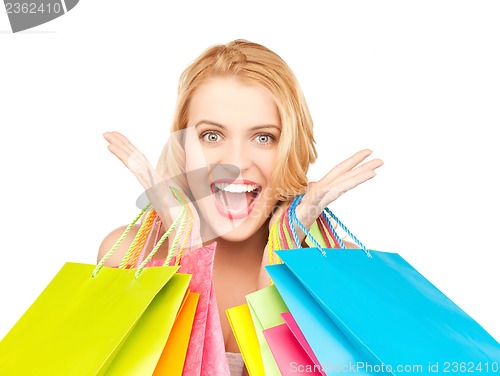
{"x": 243, "y": 233}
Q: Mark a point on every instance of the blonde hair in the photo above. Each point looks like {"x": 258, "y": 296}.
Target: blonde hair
{"x": 257, "y": 64}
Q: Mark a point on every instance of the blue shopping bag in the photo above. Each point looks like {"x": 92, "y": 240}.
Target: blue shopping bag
{"x": 386, "y": 309}
{"x": 335, "y": 352}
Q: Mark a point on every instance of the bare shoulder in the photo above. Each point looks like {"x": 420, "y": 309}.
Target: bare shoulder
{"x": 110, "y": 240}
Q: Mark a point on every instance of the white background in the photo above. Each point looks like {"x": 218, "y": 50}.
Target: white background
{"x": 417, "y": 82}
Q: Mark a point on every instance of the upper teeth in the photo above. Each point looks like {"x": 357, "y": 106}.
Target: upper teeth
{"x": 236, "y": 188}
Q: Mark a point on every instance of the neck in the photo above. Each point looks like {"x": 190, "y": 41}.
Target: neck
{"x": 245, "y": 254}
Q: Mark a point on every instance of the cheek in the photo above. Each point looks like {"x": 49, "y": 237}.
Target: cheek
{"x": 266, "y": 162}
{"x": 267, "y": 165}
{"x": 195, "y": 158}
{"x": 194, "y": 162}
{"x": 196, "y": 166}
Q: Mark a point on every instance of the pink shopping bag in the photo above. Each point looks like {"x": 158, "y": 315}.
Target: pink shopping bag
{"x": 206, "y": 354}
{"x": 291, "y": 358}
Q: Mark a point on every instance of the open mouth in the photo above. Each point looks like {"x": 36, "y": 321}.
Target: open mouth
{"x": 234, "y": 199}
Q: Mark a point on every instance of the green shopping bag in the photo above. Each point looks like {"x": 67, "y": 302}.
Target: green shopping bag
{"x": 142, "y": 350}
{"x": 140, "y": 353}
{"x": 266, "y": 306}
{"x": 91, "y": 320}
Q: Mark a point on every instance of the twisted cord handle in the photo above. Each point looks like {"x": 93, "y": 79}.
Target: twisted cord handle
{"x": 349, "y": 233}
{"x": 139, "y": 258}
{"x": 181, "y": 215}
{"x": 331, "y": 229}
{"x": 273, "y": 242}
{"x": 324, "y": 234}
{"x": 294, "y": 218}
{"x": 139, "y": 239}
{"x": 119, "y": 241}
{"x": 185, "y": 234}
{"x": 279, "y": 231}
{"x": 185, "y": 231}
{"x": 330, "y": 214}
{"x": 285, "y": 230}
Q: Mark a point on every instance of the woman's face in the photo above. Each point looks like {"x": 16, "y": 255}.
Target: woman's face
{"x": 232, "y": 137}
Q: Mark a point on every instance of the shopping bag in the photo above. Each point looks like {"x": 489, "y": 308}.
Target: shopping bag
{"x": 242, "y": 326}
{"x": 205, "y": 353}
{"x": 290, "y": 355}
{"x": 78, "y": 323}
{"x": 83, "y": 317}
{"x": 142, "y": 352}
{"x": 87, "y": 315}
{"x": 329, "y": 344}
{"x": 266, "y": 306}
{"x": 398, "y": 319}
{"x": 302, "y": 341}
{"x": 172, "y": 359}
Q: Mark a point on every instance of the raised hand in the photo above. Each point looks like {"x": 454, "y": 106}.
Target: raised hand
{"x": 342, "y": 178}
{"x": 156, "y": 186}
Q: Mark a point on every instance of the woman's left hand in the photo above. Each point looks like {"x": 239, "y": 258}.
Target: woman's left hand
{"x": 342, "y": 178}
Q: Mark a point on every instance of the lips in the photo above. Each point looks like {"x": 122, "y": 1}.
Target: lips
{"x": 234, "y": 199}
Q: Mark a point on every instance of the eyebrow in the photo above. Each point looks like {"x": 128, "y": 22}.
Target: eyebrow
{"x": 257, "y": 127}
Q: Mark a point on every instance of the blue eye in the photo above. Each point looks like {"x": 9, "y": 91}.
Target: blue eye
{"x": 264, "y": 138}
{"x": 210, "y": 137}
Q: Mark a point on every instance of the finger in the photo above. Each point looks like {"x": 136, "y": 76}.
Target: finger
{"x": 125, "y": 151}
{"x": 120, "y": 153}
{"x": 124, "y": 142}
{"x": 321, "y": 195}
{"x": 136, "y": 162}
{"x": 342, "y": 187}
{"x": 155, "y": 185}
{"x": 345, "y": 166}
{"x": 117, "y": 147}
{"x": 372, "y": 165}
{"x": 120, "y": 141}
{"x": 368, "y": 166}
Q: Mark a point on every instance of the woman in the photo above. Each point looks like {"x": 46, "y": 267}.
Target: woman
{"x": 241, "y": 145}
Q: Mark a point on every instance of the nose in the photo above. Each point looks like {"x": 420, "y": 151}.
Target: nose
{"x": 237, "y": 155}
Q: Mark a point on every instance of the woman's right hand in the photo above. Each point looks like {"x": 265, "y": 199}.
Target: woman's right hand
{"x": 156, "y": 186}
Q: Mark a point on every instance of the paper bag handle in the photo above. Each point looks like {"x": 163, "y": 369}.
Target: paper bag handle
{"x": 186, "y": 232}
{"x": 281, "y": 234}
{"x": 293, "y": 217}
{"x": 181, "y": 215}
